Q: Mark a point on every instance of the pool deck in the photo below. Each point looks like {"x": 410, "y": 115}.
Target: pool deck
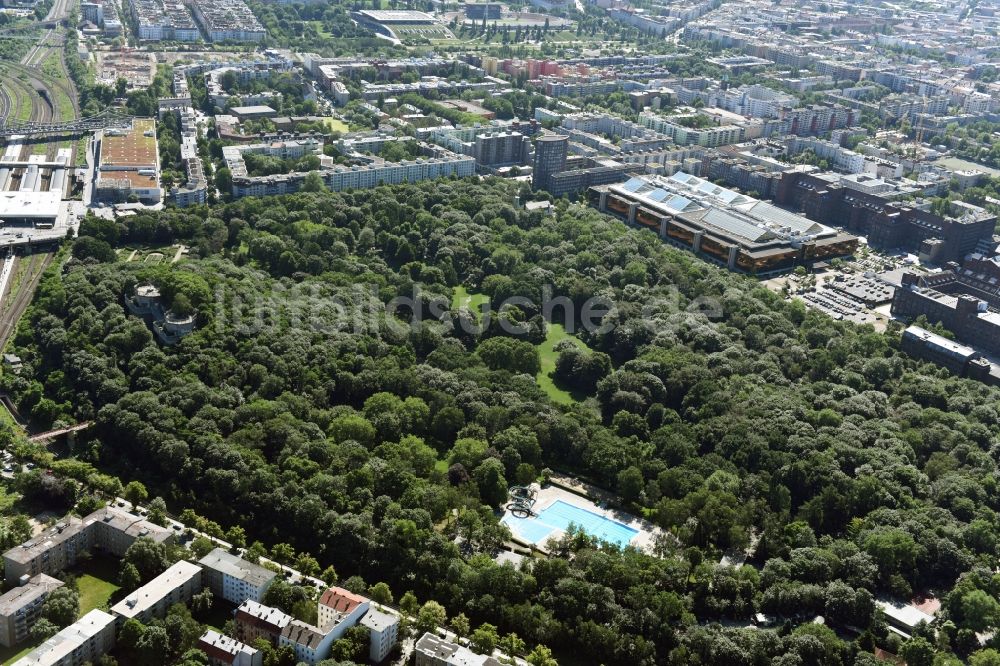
{"x": 549, "y": 494}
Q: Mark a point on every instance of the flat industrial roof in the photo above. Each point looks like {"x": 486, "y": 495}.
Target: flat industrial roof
{"x": 44, "y": 205}
{"x": 134, "y": 178}
{"x": 132, "y": 148}
{"x": 396, "y": 16}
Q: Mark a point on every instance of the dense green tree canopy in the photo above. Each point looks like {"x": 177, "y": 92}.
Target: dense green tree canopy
{"x": 305, "y": 412}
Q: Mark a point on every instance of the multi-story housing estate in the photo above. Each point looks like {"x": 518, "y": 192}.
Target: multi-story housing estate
{"x": 225, "y": 651}
{"x": 233, "y": 578}
{"x": 708, "y": 137}
{"x": 176, "y": 585}
{"x": 339, "y": 177}
{"x": 84, "y": 641}
{"x": 227, "y": 21}
{"x": 157, "y": 20}
{"x": 194, "y": 190}
{"x": 110, "y": 530}
{"x": 22, "y": 606}
{"x": 255, "y": 620}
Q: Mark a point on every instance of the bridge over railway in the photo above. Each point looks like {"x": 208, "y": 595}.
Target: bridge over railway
{"x": 105, "y": 120}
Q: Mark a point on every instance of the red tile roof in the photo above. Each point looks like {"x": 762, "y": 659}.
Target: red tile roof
{"x": 341, "y": 600}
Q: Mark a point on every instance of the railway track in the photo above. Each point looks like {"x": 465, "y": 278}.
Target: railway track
{"x": 6, "y": 103}
{"x": 11, "y": 310}
{"x": 13, "y": 95}
{"x": 39, "y": 81}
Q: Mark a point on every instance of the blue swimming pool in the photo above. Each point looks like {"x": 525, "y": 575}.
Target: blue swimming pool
{"x": 559, "y": 515}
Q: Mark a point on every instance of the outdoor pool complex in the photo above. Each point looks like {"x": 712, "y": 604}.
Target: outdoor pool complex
{"x": 559, "y": 515}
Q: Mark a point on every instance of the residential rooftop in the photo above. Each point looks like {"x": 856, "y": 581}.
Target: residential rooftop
{"x": 59, "y": 647}
{"x": 235, "y": 566}
{"x": 152, "y": 592}
{"x": 14, "y": 600}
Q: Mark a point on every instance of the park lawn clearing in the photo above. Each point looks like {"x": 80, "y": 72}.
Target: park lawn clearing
{"x": 461, "y": 298}
{"x": 547, "y": 353}
{"x": 96, "y": 581}
{"x": 337, "y": 125}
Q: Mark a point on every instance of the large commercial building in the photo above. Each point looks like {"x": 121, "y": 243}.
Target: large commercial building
{"x": 233, "y": 578}
{"x": 176, "y": 585}
{"x": 723, "y": 226}
{"x": 591, "y": 172}
{"x": 968, "y": 317}
{"x": 396, "y": 24}
{"x": 958, "y": 358}
{"x": 22, "y": 606}
{"x": 129, "y": 164}
{"x": 109, "y": 530}
{"x": 84, "y": 641}
{"x": 886, "y": 224}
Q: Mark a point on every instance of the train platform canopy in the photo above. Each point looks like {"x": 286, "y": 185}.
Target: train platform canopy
{"x": 30, "y": 207}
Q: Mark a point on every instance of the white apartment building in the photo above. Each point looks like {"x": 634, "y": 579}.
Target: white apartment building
{"x": 174, "y": 586}
{"x": 383, "y": 633}
{"x": 83, "y": 641}
{"x": 233, "y": 578}
{"x": 311, "y": 644}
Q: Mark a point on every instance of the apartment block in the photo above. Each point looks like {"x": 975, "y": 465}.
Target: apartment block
{"x": 340, "y": 609}
{"x": 174, "y": 586}
{"x": 227, "y": 21}
{"x": 158, "y": 20}
{"x": 708, "y": 137}
{"x": 255, "y": 620}
{"x": 383, "y": 633}
{"x": 84, "y": 641}
{"x": 22, "y": 606}
{"x": 111, "y": 530}
{"x": 311, "y": 644}
{"x": 226, "y": 651}
{"x": 434, "y": 651}
{"x": 339, "y": 178}
{"x": 233, "y": 578}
